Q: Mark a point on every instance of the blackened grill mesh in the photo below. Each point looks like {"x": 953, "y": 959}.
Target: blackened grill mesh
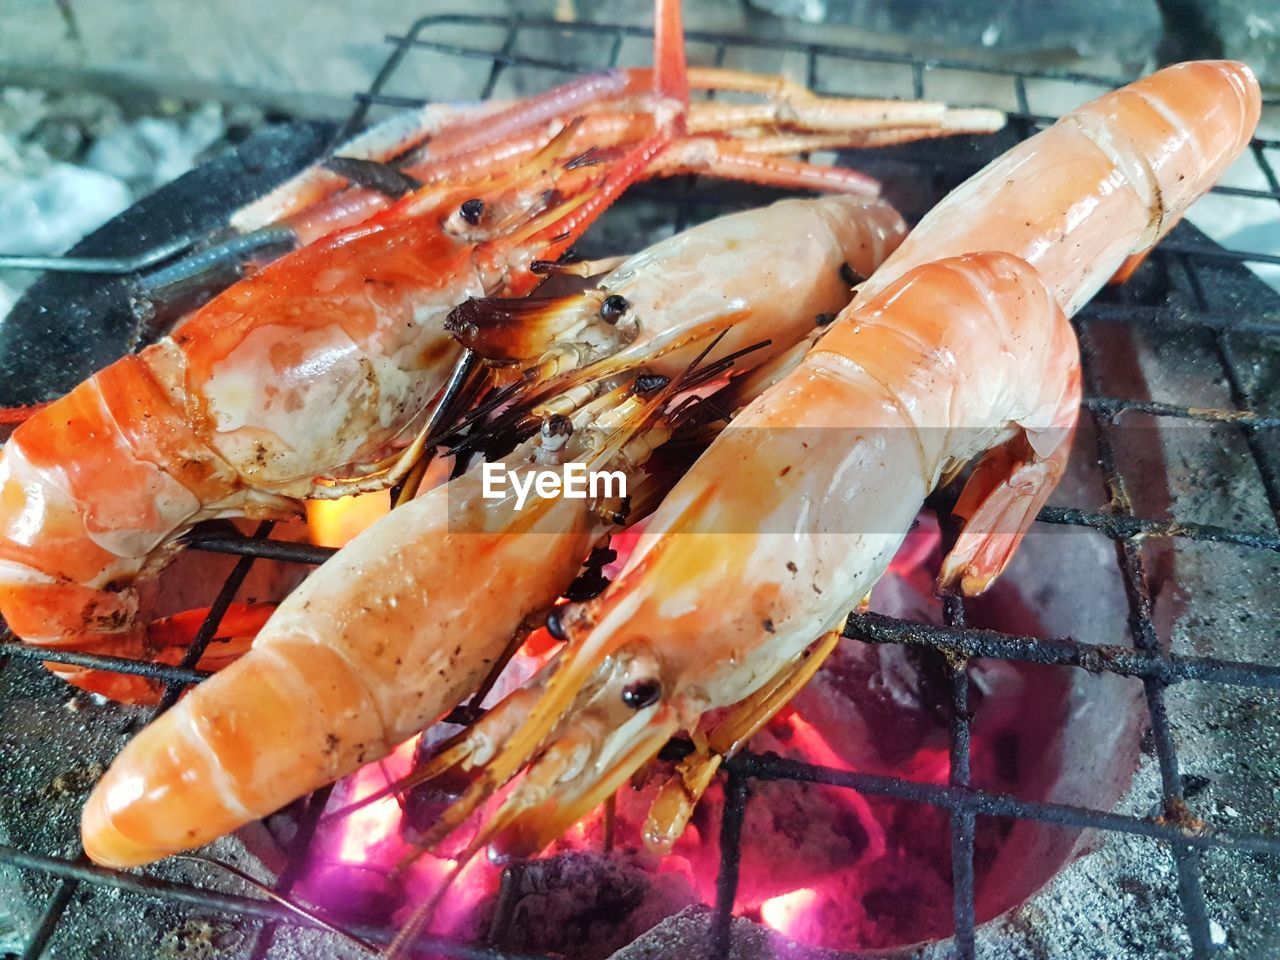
{"x": 1226, "y": 304}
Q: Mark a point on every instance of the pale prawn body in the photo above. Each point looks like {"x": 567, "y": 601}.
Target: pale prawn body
{"x": 739, "y": 275}
{"x": 406, "y": 620}
{"x": 957, "y": 348}
{"x": 402, "y": 625}
{"x": 803, "y": 499}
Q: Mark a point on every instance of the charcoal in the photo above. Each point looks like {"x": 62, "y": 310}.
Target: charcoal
{"x": 587, "y": 905}
{"x": 688, "y": 934}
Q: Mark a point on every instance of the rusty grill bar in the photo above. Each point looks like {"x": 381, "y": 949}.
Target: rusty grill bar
{"x": 1187, "y": 836}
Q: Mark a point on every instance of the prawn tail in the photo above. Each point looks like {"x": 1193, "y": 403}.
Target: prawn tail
{"x": 74, "y": 622}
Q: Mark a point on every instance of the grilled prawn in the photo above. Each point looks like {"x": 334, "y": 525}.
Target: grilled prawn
{"x": 405, "y": 621}
{"x": 957, "y": 349}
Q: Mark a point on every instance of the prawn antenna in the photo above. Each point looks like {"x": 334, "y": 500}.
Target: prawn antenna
{"x": 404, "y": 939}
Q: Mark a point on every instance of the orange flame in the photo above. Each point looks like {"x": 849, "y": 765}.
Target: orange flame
{"x": 334, "y": 523}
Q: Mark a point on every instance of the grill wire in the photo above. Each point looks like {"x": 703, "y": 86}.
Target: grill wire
{"x": 1186, "y": 835}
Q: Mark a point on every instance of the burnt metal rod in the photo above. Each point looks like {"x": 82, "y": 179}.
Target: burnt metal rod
{"x": 52, "y": 914}
{"x": 264, "y": 548}
{"x": 356, "y": 120}
{"x": 1125, "y": 526}
{"x": 173, "y": 690}
{"x": 297, "y": 859}
{"x": 1113, "y": 525}
{"x": 1189, "y": 860}
{"x": 204, "y": 635}
{"x": 1242, "y": 417}
{"x": 126, "y": 264}
{"x": 1258, "y": 448}
{"x": 736, "y": 794}
{"x": 768, "y": 43}
{"x": 986, "y": 804}
{"x": 972, "y": 642}
{"x": 228, "y": 253}
{"x": 963, "y": 822}
{"x": 97, "y": 661}
{"x": 1241, "y": 395}
{"x": 1167, "y": 318}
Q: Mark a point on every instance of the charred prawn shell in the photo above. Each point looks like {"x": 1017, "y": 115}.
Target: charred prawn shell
{"x": 590, "y": 325}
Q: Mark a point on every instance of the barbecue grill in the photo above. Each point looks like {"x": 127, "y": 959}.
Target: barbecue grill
{"x": 1192, "y": 295}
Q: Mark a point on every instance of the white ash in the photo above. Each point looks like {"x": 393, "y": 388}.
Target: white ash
{"x": 688, "y": 934}
{"x": 71, "y": 161}
{"x": 52, "y": 741}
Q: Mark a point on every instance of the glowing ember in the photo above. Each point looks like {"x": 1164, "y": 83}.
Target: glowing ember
{"x": 788, "y": 911}
{"x": 811, "y": 744}
{"x": 333, "y": 523}
{"x": 369, "y": 827}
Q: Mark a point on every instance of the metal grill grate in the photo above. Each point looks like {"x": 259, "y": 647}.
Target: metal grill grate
{"x": 945, "y": 162}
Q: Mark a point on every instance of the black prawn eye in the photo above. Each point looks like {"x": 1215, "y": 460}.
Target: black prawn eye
{"x": 555, "y": 625}
{"x": 471, "y": 210}
{"x": 641, "y": 693}
{"x": 613, "y": 308}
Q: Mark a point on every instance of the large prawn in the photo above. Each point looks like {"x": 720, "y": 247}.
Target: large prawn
{"x": 957, "y": 349}
{"x": 313, "y": 379}
{"x": 405, "y": 621}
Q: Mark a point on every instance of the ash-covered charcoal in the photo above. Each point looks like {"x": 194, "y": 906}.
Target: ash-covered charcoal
{"x": 424, "y": 804}
{"x": 874, "y": 696}
{"x": 200, "y": 939}
{"x": 355, "y": 893}
{"x": 885, "y": 701}
{"x": 585, "y": 905}
{"x": 688, "y": 934}
{"x": 881, "y": 706}
{"x": 52, "y": 743}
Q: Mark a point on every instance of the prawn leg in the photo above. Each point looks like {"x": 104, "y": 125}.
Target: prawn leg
{"x": 578, "y": 268}
{"x": 242, "y": 621}
{"x": 1135, "y": 260}
{"x": 792, "y": 104}
{"x": 731, "y": 160}
{"x": 386, "y": 474}
{"x": 1000, "y": 501}
{"x": 674, "y": 805}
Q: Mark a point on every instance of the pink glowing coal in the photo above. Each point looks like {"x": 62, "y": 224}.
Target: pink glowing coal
{"x": 822, "y": 865}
